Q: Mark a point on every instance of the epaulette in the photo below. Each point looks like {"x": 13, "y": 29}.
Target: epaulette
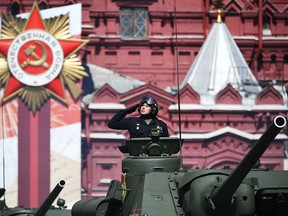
{"x": 161, "y": 120}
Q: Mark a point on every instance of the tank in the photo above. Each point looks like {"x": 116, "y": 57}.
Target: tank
{"x": 46, "y": 209}
{"x": 155, "y": 184}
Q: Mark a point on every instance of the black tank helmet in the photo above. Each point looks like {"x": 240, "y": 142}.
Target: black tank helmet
{"x": 152, "y": 103}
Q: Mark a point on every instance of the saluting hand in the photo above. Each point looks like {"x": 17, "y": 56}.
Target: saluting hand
{"x": 132, "y": 109}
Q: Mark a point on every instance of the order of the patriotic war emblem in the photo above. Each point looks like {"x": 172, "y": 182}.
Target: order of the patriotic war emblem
{"x": 38, "y": 60}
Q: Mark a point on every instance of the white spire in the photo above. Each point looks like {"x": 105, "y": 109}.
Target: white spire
{"x": 219, "y": 63}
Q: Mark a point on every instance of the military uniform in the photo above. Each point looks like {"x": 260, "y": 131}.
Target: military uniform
{"x": 137, "y": 126}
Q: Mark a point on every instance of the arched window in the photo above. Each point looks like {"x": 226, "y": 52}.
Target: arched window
{"x": 273, "y": 59}
{"x": 42, "y": 6}
{"x": 285, "y": 59}
{"x": 273, "y": 64}
{"x": 285, "y": 63}
{"x": 260, "y": 62}
{"x": 266, "y": 21}
{"x": 15, "y": 8}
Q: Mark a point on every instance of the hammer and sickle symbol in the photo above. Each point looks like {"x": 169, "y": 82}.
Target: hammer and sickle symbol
{"x": 30, "y": 51}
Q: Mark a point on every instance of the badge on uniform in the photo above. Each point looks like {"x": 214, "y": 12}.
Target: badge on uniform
{"x": 137, "y": 126}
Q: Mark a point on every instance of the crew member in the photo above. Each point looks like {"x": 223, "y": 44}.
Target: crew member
{"x": 146, "y": 125}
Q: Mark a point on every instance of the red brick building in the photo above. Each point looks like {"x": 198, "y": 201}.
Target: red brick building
{"x": 141, "y": 48}
{"x": 154, "y": 42}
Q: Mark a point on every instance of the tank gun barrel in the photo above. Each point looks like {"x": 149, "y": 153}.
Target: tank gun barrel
{"x": 50, "y": 199}
{"x": 222, "y": 196}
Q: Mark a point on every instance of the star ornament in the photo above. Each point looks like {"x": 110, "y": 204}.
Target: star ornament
{"x": 37, "y": 59}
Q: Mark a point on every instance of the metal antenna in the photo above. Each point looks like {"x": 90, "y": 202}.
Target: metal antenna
{"x": 3, "y": 147}
{"x": 178, "y": 84}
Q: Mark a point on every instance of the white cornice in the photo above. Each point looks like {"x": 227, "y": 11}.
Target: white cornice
{"x": 108, "y": 106}
{"x": 107, "y": 136}
{"x": 225, "y": 130}
{"x": 231, "y": 107}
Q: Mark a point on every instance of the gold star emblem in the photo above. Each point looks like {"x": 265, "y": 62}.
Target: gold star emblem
{"x": 37, "y": 59}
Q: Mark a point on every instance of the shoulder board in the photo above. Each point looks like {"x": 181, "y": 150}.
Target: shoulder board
{"x": 161, "y": 120}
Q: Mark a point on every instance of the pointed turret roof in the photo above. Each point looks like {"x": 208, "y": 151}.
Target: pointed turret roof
{"x": 219, "y": 63}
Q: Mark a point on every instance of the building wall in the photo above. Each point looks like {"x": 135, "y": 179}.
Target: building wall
{"x": 192, "y": 23}
{"x": 154, "y": 60}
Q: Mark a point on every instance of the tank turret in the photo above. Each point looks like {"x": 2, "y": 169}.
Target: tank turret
{"x": 232, "y": 192}
{"x": 153, "y": 183}
{"x": 45, "y": 209}
{"x": 223, "y": 195}
{"x": 50, "y": 199}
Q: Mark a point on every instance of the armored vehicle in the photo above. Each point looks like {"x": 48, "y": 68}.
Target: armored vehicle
{"x": 45, "y": 209}
{"x": 155, "y": 184}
